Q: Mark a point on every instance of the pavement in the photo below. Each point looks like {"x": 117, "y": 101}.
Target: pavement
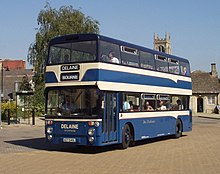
{"x": 40, "y": 121}
{"x": 23, "y": 149}
{"x": 205, "y": 115}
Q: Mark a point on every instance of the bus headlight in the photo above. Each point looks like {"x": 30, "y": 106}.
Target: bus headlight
{"x": 91, "y": 139}
{"x": 49, "y": 137}
{"x": 91, "y": 131}
{"x": 49, "y": 130}
{"x": 96, "y": 124}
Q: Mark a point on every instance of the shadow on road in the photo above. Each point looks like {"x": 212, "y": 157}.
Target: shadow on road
{"x": 42, "y": 144}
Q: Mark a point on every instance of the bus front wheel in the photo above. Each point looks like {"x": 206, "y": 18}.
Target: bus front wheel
{"x": 126, "y": 137}
{"x": 179, "y": 129}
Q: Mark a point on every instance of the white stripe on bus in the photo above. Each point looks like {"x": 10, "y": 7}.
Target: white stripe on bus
{"x": 106, "y": 66}
{"x": 113, "y": 86}
{"x": 142, "y": 88}
{"x": 132, "y": 115}
{"x": 152, "y": 114}
{"x": 73, "y": 120}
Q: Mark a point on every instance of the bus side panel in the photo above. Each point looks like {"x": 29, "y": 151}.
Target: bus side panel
{"x": 150, "y": 127}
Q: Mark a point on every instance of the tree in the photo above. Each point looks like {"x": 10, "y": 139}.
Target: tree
{"x": 25, "y": 85}
{"x": 52, "y": 23}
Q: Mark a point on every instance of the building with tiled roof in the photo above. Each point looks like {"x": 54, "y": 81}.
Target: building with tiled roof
{"x": 12, "y": 73}
{"x": 206, "y": 91}
{"x": 14, "y": 64}
{"x": 13, "y": 77}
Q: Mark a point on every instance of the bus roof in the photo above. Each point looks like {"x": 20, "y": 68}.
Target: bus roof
{"x": 93, "y": 36}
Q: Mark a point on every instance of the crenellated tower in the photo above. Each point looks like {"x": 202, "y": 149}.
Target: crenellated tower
{"x": 163, "y": 44}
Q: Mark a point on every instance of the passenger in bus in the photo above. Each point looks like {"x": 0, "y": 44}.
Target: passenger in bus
{"x": 112, "y": 57}
{"x": 177, "y": 106}
{"x": 126, "y": 106}
{"x": 162, "y": 106}
{"x": 185, "y": 72}
{"x": 131, "y": 106}
{"x": 147, "y": 106}
{"x": 168, "y": 105}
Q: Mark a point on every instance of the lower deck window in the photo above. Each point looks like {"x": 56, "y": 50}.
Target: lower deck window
{"x": 163, "y": 102}
{"x": 131, "y": 102}
{"x": 134, "y": 102}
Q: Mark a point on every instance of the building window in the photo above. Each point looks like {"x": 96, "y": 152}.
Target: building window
{"x": 211, "y": 100}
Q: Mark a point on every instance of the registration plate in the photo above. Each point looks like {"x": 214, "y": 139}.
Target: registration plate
{"x": 69, "y": 140}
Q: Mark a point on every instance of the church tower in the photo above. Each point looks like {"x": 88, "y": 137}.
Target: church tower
{"x": 162, "y": 44}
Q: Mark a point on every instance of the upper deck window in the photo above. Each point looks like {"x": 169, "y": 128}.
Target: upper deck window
{"x": 184, "y": 69}
{"x": 72, "y": 52}
{"x": 147, "y": 60}
{"x": 161, "y": 63}
{"x": 174, "y": 66}
{"x": 109, "y": 52}
{"x": 130, "y": 56}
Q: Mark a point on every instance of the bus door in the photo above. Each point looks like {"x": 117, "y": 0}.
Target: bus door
{"x": 110, "y": 117}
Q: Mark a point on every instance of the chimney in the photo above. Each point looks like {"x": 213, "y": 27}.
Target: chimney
{"x": 214, "y": 72}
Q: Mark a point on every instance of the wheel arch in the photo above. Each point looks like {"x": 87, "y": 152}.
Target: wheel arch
{"x": 178, "y": 128}
{"x": 131, "y": 129}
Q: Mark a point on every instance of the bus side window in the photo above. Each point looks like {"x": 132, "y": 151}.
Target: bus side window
{"x": 148, "y": 105}
{"x": 180, "y": 102}
{"x": 163, "y": 102}
{"x": 131, "y": 102}
{"x": 148, "y": 102}
{"x": 109, "y": 50}
{"x": 147, "y": 60}
{"x": 184, "y": 69}
{"x": 130, "y": 56}
{"x": 174, "y": 66}
{"x": 161, "y": 63}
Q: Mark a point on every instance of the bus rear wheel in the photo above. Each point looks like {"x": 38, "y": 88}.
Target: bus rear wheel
{"x": 179, "y": 129}
{"x": 126, "y": 137}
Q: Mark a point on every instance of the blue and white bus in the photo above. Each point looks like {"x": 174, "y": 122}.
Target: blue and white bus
{"x": 101, "y": 91}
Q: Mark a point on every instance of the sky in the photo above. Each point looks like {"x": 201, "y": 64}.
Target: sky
{"x": 194, "y": 25}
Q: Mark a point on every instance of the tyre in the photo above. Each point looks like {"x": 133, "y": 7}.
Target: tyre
{"x": 179, "y": 129}
{"x": 126, "y": 137}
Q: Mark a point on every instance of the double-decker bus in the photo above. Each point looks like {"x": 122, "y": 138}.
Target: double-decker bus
{"x": 101, "y": 91}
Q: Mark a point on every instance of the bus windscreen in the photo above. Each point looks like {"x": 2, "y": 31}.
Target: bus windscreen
{"x": 84, "y": 51}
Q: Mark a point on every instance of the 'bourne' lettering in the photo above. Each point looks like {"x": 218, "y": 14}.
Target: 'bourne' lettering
{"x": 69, "y": 76}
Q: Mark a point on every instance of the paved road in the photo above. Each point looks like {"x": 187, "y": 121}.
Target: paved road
{"x": 23, "y": 150}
